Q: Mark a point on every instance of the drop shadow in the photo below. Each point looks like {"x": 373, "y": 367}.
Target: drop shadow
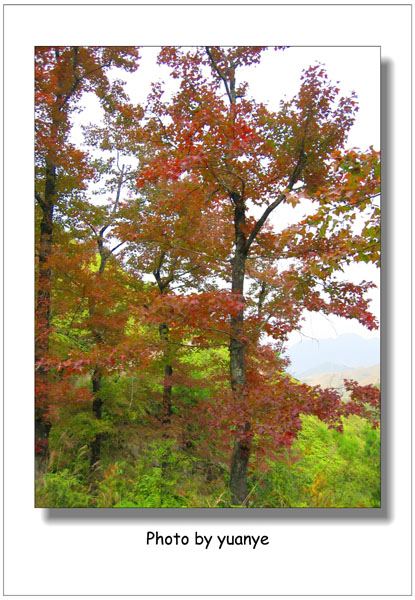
{"x": 79, "y": 516}
{"x": 173, "y": 515}
{"x": 386, "y": 296}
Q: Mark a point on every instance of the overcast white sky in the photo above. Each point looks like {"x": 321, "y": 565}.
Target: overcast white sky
{"x": 356, "y": 69}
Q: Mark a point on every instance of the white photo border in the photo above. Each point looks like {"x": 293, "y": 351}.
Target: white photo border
{"x": 100, "y": 552}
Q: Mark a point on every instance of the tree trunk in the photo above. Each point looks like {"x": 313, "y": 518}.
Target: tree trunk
{"x": 45, "y": 272}
{"x": 42, "y": 428}
{"x": 97, "y": 401}
{"x": 166, "y": 410}
{"x": 239, "y": 467}
{"x": 241, "y": 450}
{"x": 43, "y": 301}
{"x": 97, "y": 410}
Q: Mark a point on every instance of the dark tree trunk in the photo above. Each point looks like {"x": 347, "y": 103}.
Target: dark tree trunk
{"x": 42, "y": 428}
{"x": 43, "y": 309}
{"x": 97, "y": 374}
{"x": 45, "y": 272}
{"x": 97, "y": 410}
{"x": 43, "y": 300}
{"x": 239, "y": 467}
{"x": 241, "y": 450}
{"x": 166, "y": 410}
{"x": 242, "y": 444}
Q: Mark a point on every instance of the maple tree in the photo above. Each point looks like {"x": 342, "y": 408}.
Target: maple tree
{"x": 101, "y": 320}
{"x": 169, "y": 231}
{"x": 249, "y": 156}
{"x": 62, "y": 75}
{"x": 172, "y": 248}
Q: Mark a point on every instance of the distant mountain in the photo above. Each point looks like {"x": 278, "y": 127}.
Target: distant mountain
{"x": 363, "y": 375}
{"x": 326, "y": 367}
{"x": 347, "y": 351}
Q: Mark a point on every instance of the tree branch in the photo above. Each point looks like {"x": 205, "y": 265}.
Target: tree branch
{"x": 120, "y": 182}
{"x": 93, "y": 229}
{"x": 102, "y": 231}
{"x": 116, "y": 247}
{"x": 157, "y": 270}
{"x": 78, "y": 80}
{"x": 294, "y": 178}
{"x": 198, "y": 345}
{"x": 262, "y": 220}
{"x": 215, "y": 66}
{"x": 261, "y": 298}
{"x": 40, "y": 200}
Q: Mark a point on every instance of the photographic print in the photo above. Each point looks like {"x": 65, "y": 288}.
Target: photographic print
{"x": 207, "y": 258}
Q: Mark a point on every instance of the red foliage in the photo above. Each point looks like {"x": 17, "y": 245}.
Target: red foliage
{"x": 203, "y": 155}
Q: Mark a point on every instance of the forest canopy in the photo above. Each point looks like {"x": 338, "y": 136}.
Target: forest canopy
{"x": 165, "y": 294}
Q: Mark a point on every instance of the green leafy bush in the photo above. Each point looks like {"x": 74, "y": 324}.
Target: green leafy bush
{"x": 324, "y": 468}
{"x": 63, "y": 490}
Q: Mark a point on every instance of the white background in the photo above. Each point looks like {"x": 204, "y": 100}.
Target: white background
{"x": 310, "y": 552}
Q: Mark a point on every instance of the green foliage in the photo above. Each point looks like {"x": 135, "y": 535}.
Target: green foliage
{"x": 164, "y": 475}
{"x": 130, "y": 287}
{"x": 324, "y": 468}
{"x": 71, "y": 438}
{"x": 124, "y": 399}
{"x": 151, "y": 483}
{"x": 203, "y": 365}
{"x": 63, "y": 490}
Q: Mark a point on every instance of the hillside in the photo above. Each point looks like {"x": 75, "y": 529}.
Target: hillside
{"x": 363, "y": 375}
{"x": 333, "y": 355}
